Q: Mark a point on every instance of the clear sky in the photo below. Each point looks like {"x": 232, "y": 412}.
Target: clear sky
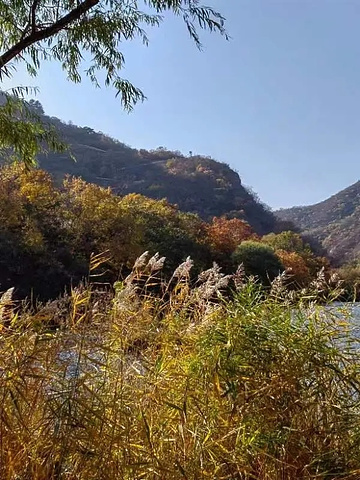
{"x": 279, "y": 102}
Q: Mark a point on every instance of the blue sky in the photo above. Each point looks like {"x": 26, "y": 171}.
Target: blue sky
{"x": 279, "y": 102}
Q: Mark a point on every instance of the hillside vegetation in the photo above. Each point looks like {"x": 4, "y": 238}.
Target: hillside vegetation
{"x": 49, "y": 232}
{"x": 335, "y": 222}
{"x": 195, "y": 183}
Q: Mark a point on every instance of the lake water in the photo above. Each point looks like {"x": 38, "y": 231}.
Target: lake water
{"x": 341, "y": 311}
{"x": 355, "y": 309}
{"x": 352, "y": 308}
{"x": 348, "y": 312}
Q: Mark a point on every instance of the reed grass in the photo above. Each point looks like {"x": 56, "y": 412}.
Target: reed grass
{"x": 171, "y": 380}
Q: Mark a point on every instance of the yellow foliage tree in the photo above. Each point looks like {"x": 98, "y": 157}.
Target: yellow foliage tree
{"x": 99, "y": 222}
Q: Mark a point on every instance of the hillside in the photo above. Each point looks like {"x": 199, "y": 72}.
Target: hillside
{"x": 195, "y": 183}
{"x": 335, "y": 222}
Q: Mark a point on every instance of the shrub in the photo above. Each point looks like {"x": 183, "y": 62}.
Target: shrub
{"x": 258, "y": 260}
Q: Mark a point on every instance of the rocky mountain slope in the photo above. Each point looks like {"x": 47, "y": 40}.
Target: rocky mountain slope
{"x": 335, "y": 222}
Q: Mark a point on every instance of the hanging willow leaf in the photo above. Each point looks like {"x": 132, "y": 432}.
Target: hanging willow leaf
{"x": 82, "y": 36}
{"x": 23, "y": 134}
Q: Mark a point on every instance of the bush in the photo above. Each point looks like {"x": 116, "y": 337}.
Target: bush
{"x": 350, "y": 276}
{"x": 258, "y": 260}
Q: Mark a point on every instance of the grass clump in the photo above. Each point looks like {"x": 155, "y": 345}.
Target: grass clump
{"x": 172, "y": 381}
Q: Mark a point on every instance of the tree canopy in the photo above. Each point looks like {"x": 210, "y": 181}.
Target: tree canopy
{"x": 259, "y": 260}
{"x": 83, "y": 36}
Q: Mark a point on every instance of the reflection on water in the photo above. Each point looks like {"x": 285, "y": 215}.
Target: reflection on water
{"x": 348, "y": 312}
{"x": 352, "y": 308}
{"x": 355, "y": 310}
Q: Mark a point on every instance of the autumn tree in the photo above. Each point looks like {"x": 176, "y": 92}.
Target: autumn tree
{"x": 288, "y": 241}
{"x": 29, "y": 204}
{"x": 167, "y": 230}
{"x": 97, "y": 223}
{"x": 292, "y": 242}
{"x": 297, "y": 269}
{"x": 225, "y": 235}
{"x": 34, "y": 240}
{"x": 83, "y": 36}
{"x": 350, "y": 278}
{"x": 48, "y": 233}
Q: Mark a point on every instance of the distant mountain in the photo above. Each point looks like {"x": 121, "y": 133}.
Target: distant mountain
{"x": 335, "y": 222}
{"x": 195, "y": 183}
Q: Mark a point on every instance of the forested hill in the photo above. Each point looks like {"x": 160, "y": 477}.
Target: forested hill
{"x": 195, "y": 183}
{"x": 335, "y": 222}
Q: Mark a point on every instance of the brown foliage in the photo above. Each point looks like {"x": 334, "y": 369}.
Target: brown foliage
{"x": 296, "y": 266}
{"x": 225, "y": 235}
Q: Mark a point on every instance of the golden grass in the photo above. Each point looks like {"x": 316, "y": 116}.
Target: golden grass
{"x": 170, "y": 381}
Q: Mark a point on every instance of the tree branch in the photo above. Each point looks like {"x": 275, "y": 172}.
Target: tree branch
{"x": 33, "y": 15}
{"x": 38, "y": 36}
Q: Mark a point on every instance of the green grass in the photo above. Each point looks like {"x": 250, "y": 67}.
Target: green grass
{"x": 172, "y": 381}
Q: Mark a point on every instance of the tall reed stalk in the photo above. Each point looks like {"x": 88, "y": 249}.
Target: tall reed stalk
{"x": 172, "y": 381}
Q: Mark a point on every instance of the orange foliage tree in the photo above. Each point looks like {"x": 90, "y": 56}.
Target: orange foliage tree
{"x": 225, "y": 235}
{"x": 296, "y": 266}
{"x": 295, "y": 253}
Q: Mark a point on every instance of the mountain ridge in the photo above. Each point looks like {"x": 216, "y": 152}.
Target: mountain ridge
{"x": 196, "y": 183}
{"x": 334, "y": 222}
